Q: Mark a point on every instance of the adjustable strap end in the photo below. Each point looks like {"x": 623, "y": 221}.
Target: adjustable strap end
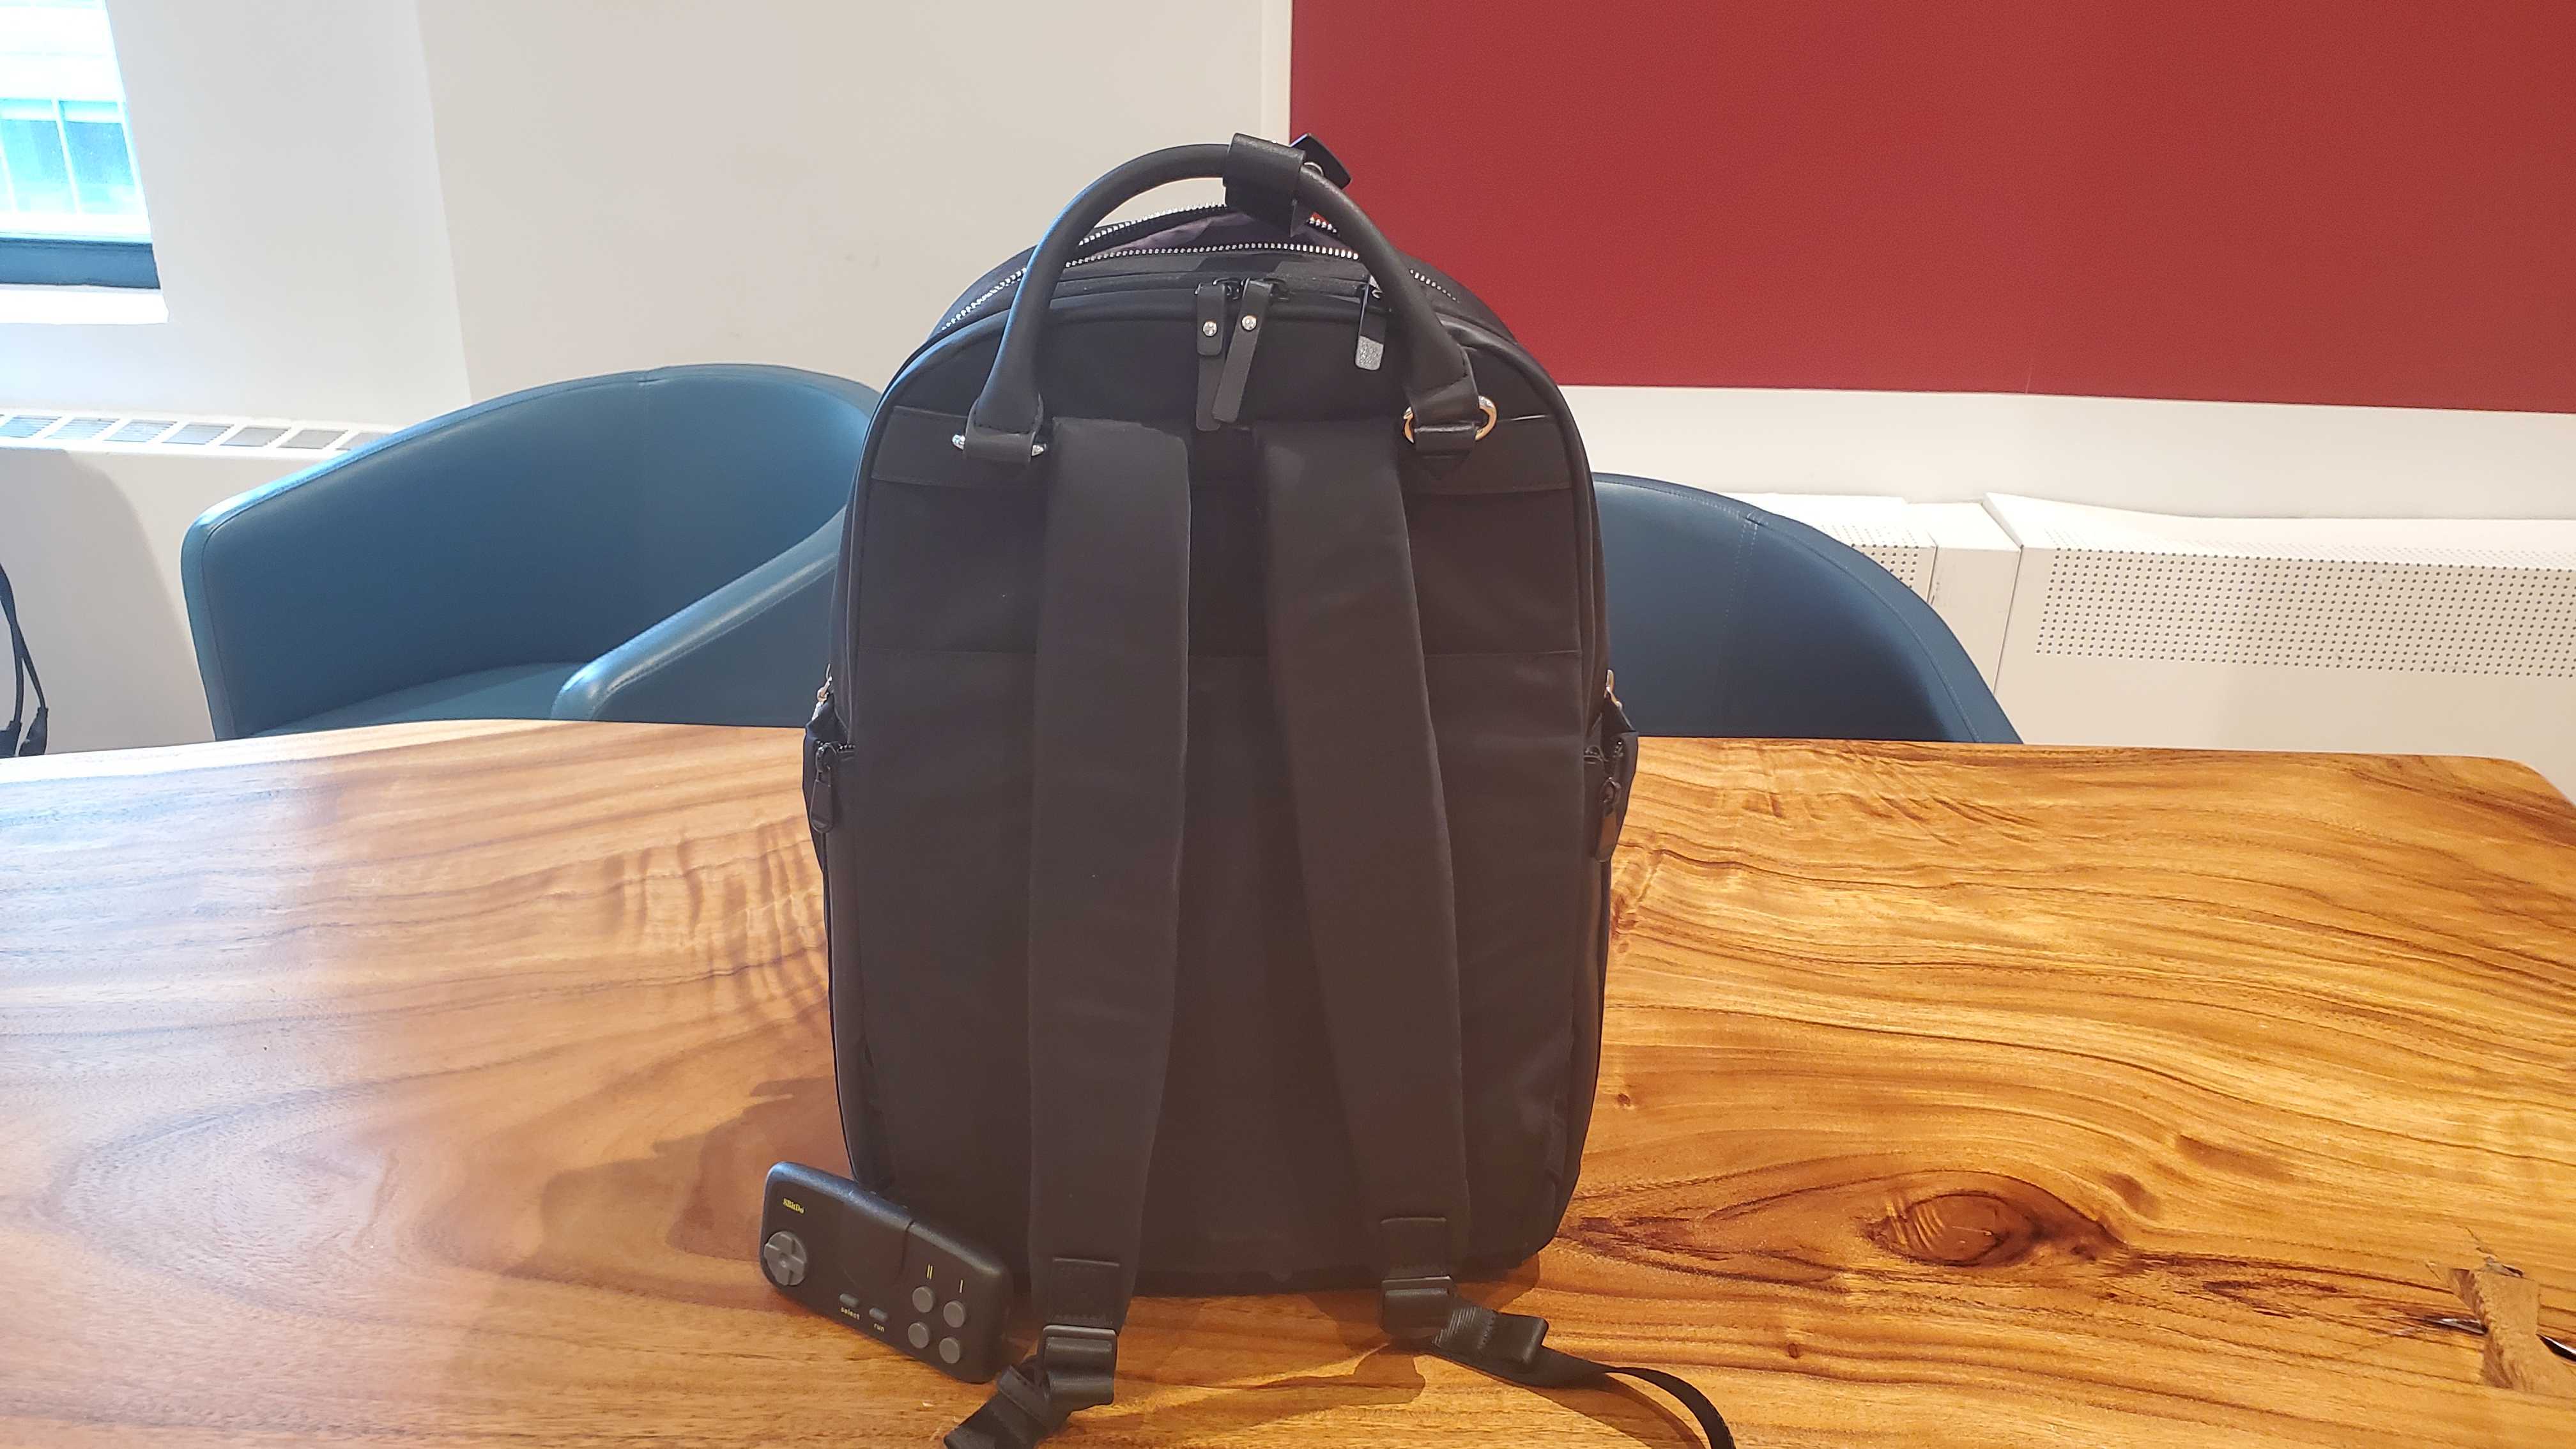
{"x": 1077, "y": 1365}
{"x": 1074, "y": 1367}
{"x": 1415, "y": 1311}
{"x": 1416, "y": 1295}
{"x": 1016, "y": 1417}
{"x": 1513, "y": 1347}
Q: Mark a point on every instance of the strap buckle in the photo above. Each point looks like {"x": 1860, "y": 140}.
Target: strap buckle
{"x": 1415, "y": 1310}
{"x": 1070, "y": 1369}
{"x": 1076, "y": 1364}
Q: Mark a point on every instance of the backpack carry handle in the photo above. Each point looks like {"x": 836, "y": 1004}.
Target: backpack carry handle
{"x": 1003, "y": 425}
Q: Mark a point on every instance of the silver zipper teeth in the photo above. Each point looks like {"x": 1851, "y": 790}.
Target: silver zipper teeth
{"x": 1013, "y": 279}
{"x": 1104, "y": 229}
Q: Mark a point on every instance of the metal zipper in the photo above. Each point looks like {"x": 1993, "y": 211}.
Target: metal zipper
{"x": 827, "y": 743}
{"x": 1235, "y": 373}
{"x": 825, "y": 746}
{"x": 1609, "y": 753}
{"x": 962, "y": 313}
{"x": 1095, "y": 234}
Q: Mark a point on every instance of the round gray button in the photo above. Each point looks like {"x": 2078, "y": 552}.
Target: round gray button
{"x": 918, "y": 1335}
{"x": 953, "y": 1314}
{"x": 949, "y": 1352}
{"x": 784, "y": 1256}
{"x": 922, "y": 1298}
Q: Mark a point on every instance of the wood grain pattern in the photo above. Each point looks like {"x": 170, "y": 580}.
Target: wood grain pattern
{"x": 414, "y": 1086}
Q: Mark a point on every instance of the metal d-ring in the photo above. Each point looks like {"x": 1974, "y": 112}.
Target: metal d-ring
{"x": 1482, "y": 429}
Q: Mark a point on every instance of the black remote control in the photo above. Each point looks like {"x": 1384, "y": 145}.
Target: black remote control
{"x": 849, "y": 1254}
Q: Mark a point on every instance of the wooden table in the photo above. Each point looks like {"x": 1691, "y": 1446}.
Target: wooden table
{"x": 414, "y": 1085}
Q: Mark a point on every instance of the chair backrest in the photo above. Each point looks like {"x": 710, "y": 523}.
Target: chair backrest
{"x": 607, "y": 502}
{"x": 1729, "y": 620}
{"x": 546, "y": 525}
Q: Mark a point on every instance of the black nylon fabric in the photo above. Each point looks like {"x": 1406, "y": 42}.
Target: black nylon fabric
{"x": 1373, "y": 831}
{"x": 1251, "y": 1184}
{"x": 1111, "y": 691}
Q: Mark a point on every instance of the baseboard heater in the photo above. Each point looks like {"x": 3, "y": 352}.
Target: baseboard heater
{"x": 2439, "y": 636}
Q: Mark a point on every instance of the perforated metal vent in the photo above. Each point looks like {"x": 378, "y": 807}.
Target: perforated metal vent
{"x": 2447, "y": 611}
{"x": 164, "y": 433}
{"x": 1878, "y": 526}
{"x": 1898, "y": 551}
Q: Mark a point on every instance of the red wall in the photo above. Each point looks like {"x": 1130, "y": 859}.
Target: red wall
{"x": 2349, "y": 201}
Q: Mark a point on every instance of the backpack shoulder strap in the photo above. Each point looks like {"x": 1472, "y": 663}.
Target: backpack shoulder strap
{"x": 1354, "y": 708}
{"x": 1112, "y": 700}
{"x": 1353, "y": 696}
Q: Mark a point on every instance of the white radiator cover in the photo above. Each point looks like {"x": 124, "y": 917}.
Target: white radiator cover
{"x": 2434, "y": 636}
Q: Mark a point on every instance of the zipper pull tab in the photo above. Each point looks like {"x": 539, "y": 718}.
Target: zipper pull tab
{"x": 1613, "y": 816}
{"x": 1211, "y": 345}
{"x": 1245, "y": 336}
{"x": 1370, "y": 355}
{"x": 822, "y": 802}
{"x": 823, "y": 748}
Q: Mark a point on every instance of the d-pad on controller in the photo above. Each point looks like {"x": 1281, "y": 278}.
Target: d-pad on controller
{"x": 850, "y": 1255}
{"x": 784, "y": 1258}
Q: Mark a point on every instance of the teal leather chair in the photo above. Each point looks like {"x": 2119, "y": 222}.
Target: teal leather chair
{"x": 643, "y": 546}
{"x": 1727, "y": 619}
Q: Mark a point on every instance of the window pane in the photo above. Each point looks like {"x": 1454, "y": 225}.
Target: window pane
{"x": 31, "y": 144}
{"x": 66, "y": 161}
{"x": 101, "y": 172}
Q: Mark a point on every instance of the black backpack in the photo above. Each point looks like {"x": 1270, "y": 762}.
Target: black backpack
{"x": 1217, "y": 777}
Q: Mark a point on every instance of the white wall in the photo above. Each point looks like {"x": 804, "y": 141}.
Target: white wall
{"x": 381, "y": 209}
{"x": 284, "y": 149}
{"x": 376, "y": 210}
{"x": 91, "y": 543}
{"x": 633, "y": 182}
{"x": 2219, "y": 459}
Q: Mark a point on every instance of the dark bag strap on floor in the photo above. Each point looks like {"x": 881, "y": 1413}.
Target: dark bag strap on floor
{"x": 22, "y": 675}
